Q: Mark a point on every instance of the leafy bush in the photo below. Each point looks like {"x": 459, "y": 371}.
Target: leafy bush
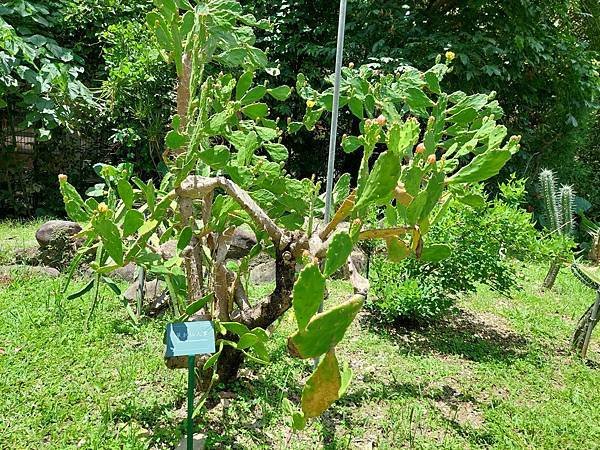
{"x": 402, "y": 299}
{"x": 484, "y": 240}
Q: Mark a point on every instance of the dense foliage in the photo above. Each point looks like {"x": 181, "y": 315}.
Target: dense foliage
{"x": 542, "y": 66}
{"x": 39, "y": 78}
{"x": 539, "y": 57}
{"x": 485, "y": 241}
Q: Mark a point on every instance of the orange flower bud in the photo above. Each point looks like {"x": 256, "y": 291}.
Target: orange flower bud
{"x": 420, "y": 148}
{"x": 431, "y": 159}
{"x": 62, "y": 178}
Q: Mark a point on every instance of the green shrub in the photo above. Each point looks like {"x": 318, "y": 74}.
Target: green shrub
{"x": 398, "y": 299}
{"x": 485, "y": 241}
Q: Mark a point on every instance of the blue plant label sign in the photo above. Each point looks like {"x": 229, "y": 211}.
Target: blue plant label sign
{"x": 190, "y": 338}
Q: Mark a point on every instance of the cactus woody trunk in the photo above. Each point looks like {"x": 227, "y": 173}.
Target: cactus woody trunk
{"x": 583, "y": 332}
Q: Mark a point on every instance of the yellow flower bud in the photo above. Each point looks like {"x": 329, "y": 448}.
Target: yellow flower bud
{"x": 102, "y": 207}
{"x": 351, "y": 65}
{"x": 310, "y": 103}
{"x": 450, "y": 55}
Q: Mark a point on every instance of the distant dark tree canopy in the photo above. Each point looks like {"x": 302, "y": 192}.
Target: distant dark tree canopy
{"x": 540, "y": 57}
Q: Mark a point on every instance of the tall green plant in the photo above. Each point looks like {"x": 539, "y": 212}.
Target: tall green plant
{"x": 226, "y": 164}
{"x": 559, "y": 213}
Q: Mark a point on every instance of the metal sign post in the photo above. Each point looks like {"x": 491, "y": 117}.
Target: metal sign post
{"x": 190, "y": 339}
{"x": 339, "y": 56}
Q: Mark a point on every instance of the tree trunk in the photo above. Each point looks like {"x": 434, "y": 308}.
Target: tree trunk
{"x": 552, "y": 274}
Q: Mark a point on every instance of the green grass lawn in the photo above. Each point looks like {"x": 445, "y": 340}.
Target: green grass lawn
{"x": 496, "y": 374}
{"x": 15, "y": 235}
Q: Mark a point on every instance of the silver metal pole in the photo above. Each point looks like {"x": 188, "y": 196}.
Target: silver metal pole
{"x": 336, "y": 105}
{"x": 339, "y": 56}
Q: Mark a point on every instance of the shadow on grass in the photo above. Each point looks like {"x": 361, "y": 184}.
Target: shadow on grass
{"x": 465, "y": 334}
{"x": 154, "y": 418}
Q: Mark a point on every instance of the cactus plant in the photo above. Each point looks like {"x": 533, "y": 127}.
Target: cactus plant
{"x": 559, "y": 214}
{"x": 589, "y": 320}
{"x": 225, "y": 169}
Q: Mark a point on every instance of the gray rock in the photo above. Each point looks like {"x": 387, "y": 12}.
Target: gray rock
{"x": 30, "y": 256}
{"x": 156, "y": 296}
{"x": 168, "y": 250}
{"x": 242, "y": 241}
{"x": 126, "y": 273}
{"x": 263, "y": 273}
{"x": 359, "y": 258}
{"x": 152, "y": 290}
{"x": 30, "y": 270}
{"x": 54, "y": 230}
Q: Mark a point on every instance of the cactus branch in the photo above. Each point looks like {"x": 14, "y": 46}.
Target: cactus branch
{"x": 197, "y": 187}
{"x": 548, "y": 187}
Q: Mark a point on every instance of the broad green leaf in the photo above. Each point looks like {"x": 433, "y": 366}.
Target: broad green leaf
{"x": 174, "y": 140}
{"x": 482, "y": 167}
{"x": 254, "y": 95}
{"x": 280, "y": 93}
{"x": 435, "y": 252}
{"x": 381, "y": 182}
{"x": 256, "y": 110}
{"x": 435, "y": 188}
{"x": 337, "y": 254}
{"x": 397, "y": 249}
{"x": 74, "y": 204}
{"x": 247, "y": 340}
{"x": 352, "y": 143}
{"x": 111, "y": 238}
{"x": 216, "y": 157}
{"x": 132, "y": 222}
{"x": 294, "y": 127}
{"x": 416, "y": 207}
{"x": 322, "y": 387}
{"x": 433, "y": 83}
{"x": 235, "y": 327}
{"x": 126, "y": 192}
{"x": 473, "y": 200}
{"x": 267, "y": 134}
{"x": 184, "y": 238}
{"x": 243, "y": 85}
{"x": 356, "y": 107}
{"x": 308, "y": 294}
{"x": 311, "y": 118}
{"x": 402, "y": 136}
{"x": 196, "y": 306}
{"x": 213, "y": 359}
{"x": 325, "y": 330}
{"x": 417, "y": 99}
{"x": 277, "y": 151}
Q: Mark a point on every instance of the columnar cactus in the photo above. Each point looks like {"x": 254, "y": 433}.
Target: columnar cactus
{"x": 589, "y": 320}
{"x": 559, "y": 213}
